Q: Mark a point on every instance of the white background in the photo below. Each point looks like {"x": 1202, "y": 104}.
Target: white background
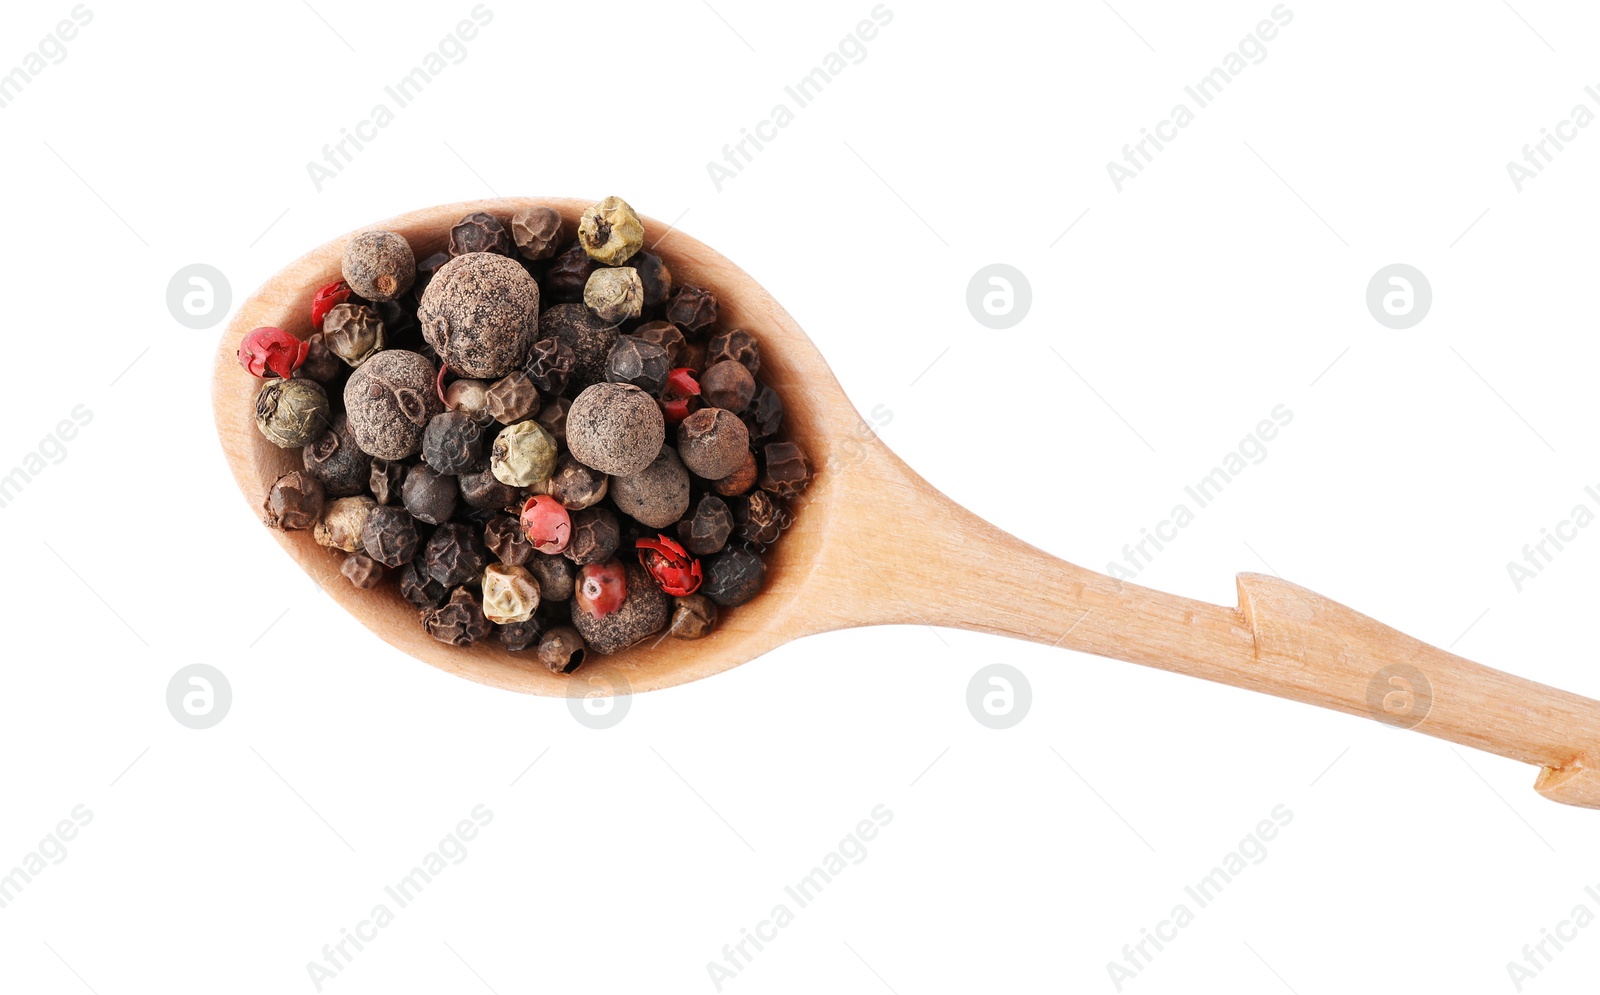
{"x": 1225, "y": 280}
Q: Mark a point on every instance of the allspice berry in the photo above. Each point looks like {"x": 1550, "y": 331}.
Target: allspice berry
{"x": 713, "y": 443}
{"x": 389, "y": 535}
{"x": 616, "y": 428}
{"x": 342, "y": 522}
{"x": 654, "y": 276}
{"x": 740, "y": 480}
{"x": 643, "y": 364}
{"x": 294, "y": 501}
{"x": 362, "y": 571}
{"x": 596, "y": 534}
{"x": 454, "y": 554}
{"x": 576, "y": 486}
{"x": 693, "y": 617}
{"x": 510, "y": 594}
{"x": 353, "y": 332}
{"x": 336, "y": 459}
{"x": 378, "y": 265}
{"x": 290, "y": 413}
{"x": 707, "y": 530}
{"x": 733, "y": 576}
{"x": 428, "y": 495}
{"x": 524, "y": 454}
{"x": 537, "y": 232}
{"x": 656, "y": 496}
{"x": 453, "y": 443}
{"x": 589, "y": 338}
{"x": 614, "y": 294}
{"x": 459, "y": 621}
{"x": 728, "y": 385}
{"x": 644, "y": 612}
{"x": 511, "y": 399}
{"x": 557, "y": 575}
{"x": 561, "y": 649}
{"x": 389, "y": 400}
{"x": 610, "y": 232}
{"x": 480, "y": 313}
{"x": 736, "y": 344}
{"x": 480, "y": 232}
{"x": 664, "y": 334}
{"x": 692, "y": 309}
{"x": 788, "y": 472}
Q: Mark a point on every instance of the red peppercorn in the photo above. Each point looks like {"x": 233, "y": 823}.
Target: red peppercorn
{"x": 328, "y": 298}
{"x": 271, "y": 350}
{"x": 547, "y": 524}
{"x": 602, "y": 587}
{"x": 675, "y": 570}
{"x": 678, "y": 396}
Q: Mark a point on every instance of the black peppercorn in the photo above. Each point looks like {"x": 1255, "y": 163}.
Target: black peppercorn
{"x": 569, "y": 274}
{"x": 557, "y": 576}
{"x": 616, "y": 428}
{"x": 385, "y": 479}
{"x": 664, "y": 334}
{"x": 740, "y": 480}
{"x": 764, "y": 416}
{"x": 389, "y": 536}
{"x": 707, "y": 530}
{"x": 519, "y": 636}
{"x": 758, "y": 518}
{"x": 378, "y": 265}
{"x": 641, "y": 363}
{"x": 506, "y": 540}
{"x": 713, "y": 443}
{"x": 550, "y": 365}
{"x": 727, "y": 385}
{"x": 481, "y": 314}
{"x": 426, "y": 268}
{"x": 693, "y": 617}
{"x": 656, "y": 496}
{"x": 428, "y": 495}
{"x": 561, "y": 649}
{"x": 320, "y": 363}
{"x": 362, "y": 571}
{"x": 576, "y": 486}
{"x": 335, "y": 459}
{"x": 389, "y": 399}
{"x": 733, "y": 576}
{"x": 595, "y": 536}
{"x": 353, "y": 332}
{"x": 418, "y": 588}
{"x": 644, "y": 612}
{"x": 459, "y": 621}
{"x": 654, "y": 276}
{"x": 294, "y": 501}
{"x": 692, "y": 309}
{"x": 788, "y": 471}
{"x": 537, "y": 232}
{"x": 454, "y": 554}
{"x": 553, "y": 418}
{"x": 480, "y": 232}
{"x": 483, "y": 491}
{"x": 589, "y": 338}
{"x": 453, "y": 443}
{"x": 512, "y": 399}
{"x": 735, "y": 343}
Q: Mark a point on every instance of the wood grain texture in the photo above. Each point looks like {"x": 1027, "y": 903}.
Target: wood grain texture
{"x": 859, "y": 553}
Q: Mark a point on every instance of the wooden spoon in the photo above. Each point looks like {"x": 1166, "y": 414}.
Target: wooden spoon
{"x": 851, "y": 544}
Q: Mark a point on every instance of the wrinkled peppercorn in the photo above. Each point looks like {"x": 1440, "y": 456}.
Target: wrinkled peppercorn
{"x": 483, "y": 491}
{"x": 512, "y": 398}
{"x": 733, "y": 576}
{"x": 290, "y": 413}
{"x": 418, "y": 588}
{"x": 693, "y": 617}
{"x": 615, "y": 428}
{"x": 740, "y": 480}
{"x": 353, "y": 332}
{"x": 519, "y": 636}
{"x": 614, "y": 294}
{"x": 320, "y": 363}
{"x": 596, "y": 535}
{"x": 788, "y": 472}
{"x": 389, "y": 399}
{"x": 758, "y": 518}
{"x": 643, "y": 613}
{"x": 362, "y": 571}
{"x": 569, "y": 274}
{"x": 610, "y": 232}
{"x": 389, "y": 536}
{"x": 692, "y": 309}
{"x": 643, "y": 364}
{"x": 561, "y": 649}
{"x": 664, "y": 334}
{"x": 428, "y": 495}
{"x": 550, "y": 365}
{"x": 335, "y": 459}
{"x": 378, "y": 265}
{"x": 713, "y": 443}
{"x": 577, "y": 486}
{"x": 454, "y": 554}
{"x": 459, "y": 621}
{"x": 481, "y": 314}
{"x": 589, "y": 338}
{"x": 656, "y": 496}
{"x": 480, "y": 232}
{"x": 523, "y": 454}
{"x": 764, "y": 416}
{"x": 728, "y": 385}
{"x": 505, "y": 539}
{"x": 294, "y": 501}
{"x": 556, "y": 575}
{"x": 537, "y": 232}
{"x": 707, "y": 530}
{"x": 342, "y": 521}
{"x": 385, "y": 480}
{"x": 553, "y": 418}
{"x": 426, "y": 268}
{"x": 655, "y": 277}
{"x": 736, "y": 344}
{"x": 453, "y": 443}
{"x": 510, "y": 594}
{"x": 470, "y": 397}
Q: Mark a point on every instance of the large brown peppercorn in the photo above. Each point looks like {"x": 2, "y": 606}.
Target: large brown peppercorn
{"x": 616, "y": 428}
{"x": 390, "y": 536}
{"x": 294, "y": 501}
{"x": 418, "y": 588}
{"x": 512, "y": 399}
{"x": 385, "y": 480}
{"x": 290, "y": 413}
{"x": 428, "y": 495}
{"x": 480, "y": 232}
{"x": 459, "y": 621}
{"x": 335, "y": 459}
{"x": 550, "y": 365}
{"x": 713, "y": 443}
{"x": 643, "y": 364}
{"x": 362, "y": 571}
{"x": 740, "y": 480}
{"x": 664, "y": 334}
{"x": 614, "y": 294}
{"x": 378, "y": 265}
{"x": 480, "y": 313}
{"x": 758, "y": 518}
{"x": 453, "y": 443}
{"x": 569, "y": 274}
{"x": 764, "y": 416}
{"x": 506, "y": 540}
{"x": 577, "y": 486}
{"x": 788, "y": 471}
{"x": 692, "y": 309}
{"x": 389, "y": 399}
{"x": 557, "y": 575}
{"x": 733, "y": 576}
{"x": 693, "y": 617}
{"x": 353, "y": 332}
{"x": 454, "y": 554}
{"x": 483, "y": 491}
{"x": 537, "y": 232}
{"x": 655, "y": 277}
{"x": 561, "y": 649}
{"x": 589, "y": 338}
{"x": 707, "y": 530}
{"x": 738, "y": 344}
{"x": 727, "y": 385}
{"x": 644, "y": 613}
{"x": 610, "y": 232}
{"x": 596, "y": 535}
{"x": 656, "y": 496}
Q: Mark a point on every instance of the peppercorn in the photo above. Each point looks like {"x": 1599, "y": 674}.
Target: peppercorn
{"x": 553, "y": 418}
{"x": 362, "y": 571}
{"x": 399, "y": 317}
{"x": 453, "y": 443}
{"x": 512, "y": 398}
{"x": 707, "y": 530}
{"x": 643, "y": 612}
{"x": 334, "y": 458}
{"x": 589, "y": 338}
{"x": 693, "y": 617}
{"x": 664, "y": 334}
{"x": 674, "y": 570}
{"x": 389, "y": 536}
{"x": 294, "y": 501}
{"x": 470, "y": 397}
{"x": 269, "y": 351}
{"x": 524, "y": 454}
{"x": 459, "y": 621}
{"x": 425, "y": 270}
{"x": 764, "y": 416}
{"x": 546, "y": 524}
{"x": 353, "y": 333}
{"x": 390, "y": 399}
{"x": 510, "y": 594}
{"x": 713, "y": 443}
{"x": 562, "y": 650}
{"x": 327, "y": 297}
{"x": 788, "y": 472}
{"x": 595, "y": 536}
{"x": 614, "y": 294}
{"x": 385, "y": 479}
{"x": 557, "y": 576}
{"x": 320, "y": 363}
{"x": 418, "y": 588}
{"x": 577, "y": 486}
{"x": 569, "y": 274}
{"x": 738, "y": 481}
{"x": 735, "y": 343}
{"x": 342, "y": 522}
{"x": 733, "y": 576}
{"x": 550, "y": 365}
{"x": 758, "y": 518}
{"x": 483, "y": 491}
{"x": 537, "y": 232}
{"x": 654, "y": 276}
{"x": 601, "y": 588}
{"x": 615, "y": 428}
{"x": 506, "y": 540}
{"x": 519, "y": 636}
{"x": 480, "y": 232}
{"x": 428, "y": 495}
{"x": 481, "y": 314}
{"x": 610, "y": 232}
{"x": 378, "y": 265}
{"x": 454, "y": 554}
{"x": 643, "y": 364}
{"x": 290, "y": 413}
{"x": 679, "y": 396}
{"x": 728, "y": 385}
{"x": 692, "y": 309}
{"x": 656, "y": 496}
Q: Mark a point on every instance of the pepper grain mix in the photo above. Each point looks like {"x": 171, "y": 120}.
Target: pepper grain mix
{"x": 529, "y": 437}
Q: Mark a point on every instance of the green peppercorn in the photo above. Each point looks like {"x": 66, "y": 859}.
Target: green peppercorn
{"x": 524, "y": 454}
{"x": 290, "y": 413}
{"x": 614, "y": 294}
{"x": 610, "y": 232}
{"x": 510, "y": 594}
